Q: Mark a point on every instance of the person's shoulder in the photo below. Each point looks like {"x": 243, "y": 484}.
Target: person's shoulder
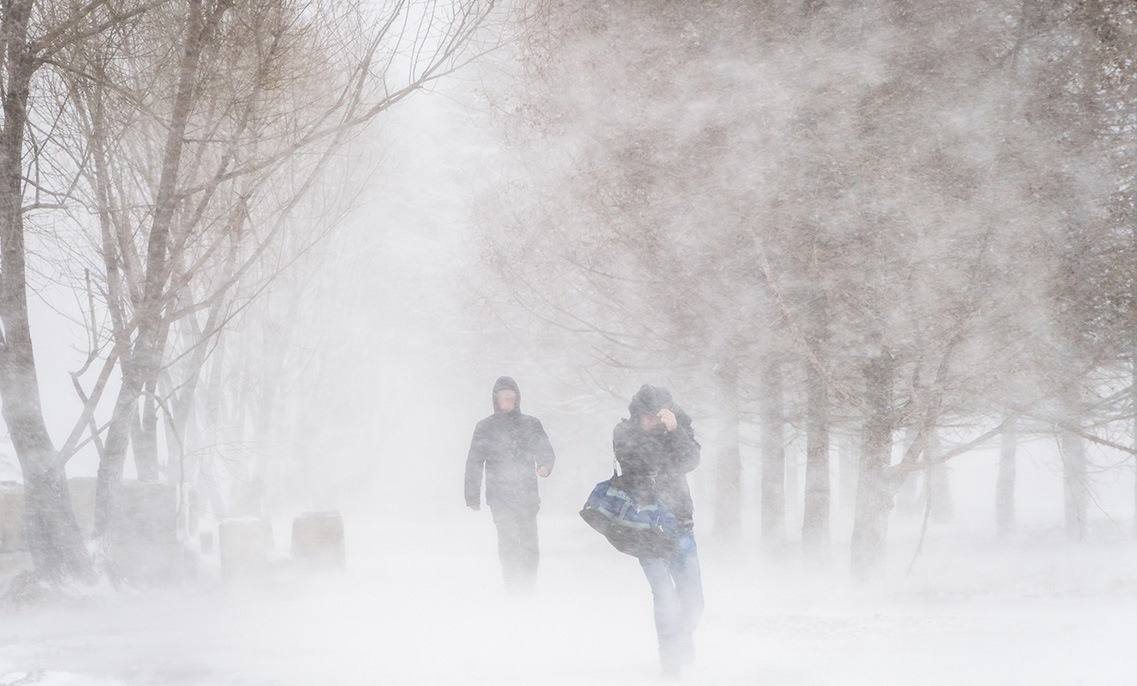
{"x": 530, "y": 420}
{"x": 485, "y": 422}
{"x": 622, "y": 428}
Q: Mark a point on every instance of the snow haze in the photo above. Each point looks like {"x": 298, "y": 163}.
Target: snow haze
{"x": 882, "y": 256}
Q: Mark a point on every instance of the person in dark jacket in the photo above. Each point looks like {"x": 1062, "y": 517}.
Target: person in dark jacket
{"x": 513, "y": 450}
{"x": 656, "y": 448}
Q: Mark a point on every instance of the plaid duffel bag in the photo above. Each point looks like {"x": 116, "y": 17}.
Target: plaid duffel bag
{"x": 647, "y": 530}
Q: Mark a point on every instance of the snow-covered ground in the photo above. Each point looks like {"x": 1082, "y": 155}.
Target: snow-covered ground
{"x": 422, "y": 604}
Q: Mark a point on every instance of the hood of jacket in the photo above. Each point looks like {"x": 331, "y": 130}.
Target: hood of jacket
{"x": 649, "y": 400}
{"x": 505, "y": 383}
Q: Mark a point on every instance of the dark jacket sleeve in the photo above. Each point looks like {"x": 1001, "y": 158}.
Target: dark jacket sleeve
{"x": 620, "y": 447}
{"x": 542, "y": 448}
{"x": 475, "y": 466}
{"x": 685, "y": 452}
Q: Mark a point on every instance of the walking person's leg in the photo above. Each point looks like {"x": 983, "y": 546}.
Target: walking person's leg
{"x": 689, "y": 589}
{"x": 665, "y": 601}
{"x": 528, "y": 549}
{"x": 508, "y": 546}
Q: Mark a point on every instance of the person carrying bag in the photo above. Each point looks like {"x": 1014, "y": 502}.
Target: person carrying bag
{"x": 646, "y": 510}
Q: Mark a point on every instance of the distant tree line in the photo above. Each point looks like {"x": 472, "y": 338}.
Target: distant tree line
{"x": 895, "y": 222}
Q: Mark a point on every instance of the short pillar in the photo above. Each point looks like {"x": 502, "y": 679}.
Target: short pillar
{"x": 318, "y": 540}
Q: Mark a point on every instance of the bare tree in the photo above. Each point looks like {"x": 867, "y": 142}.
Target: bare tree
{"x": 192, "y": 162}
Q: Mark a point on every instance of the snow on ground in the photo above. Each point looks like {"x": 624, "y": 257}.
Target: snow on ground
{"x": 422, "y": 604}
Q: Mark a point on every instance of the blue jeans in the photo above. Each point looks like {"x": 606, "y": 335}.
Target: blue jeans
{"x": 677, "y": 593}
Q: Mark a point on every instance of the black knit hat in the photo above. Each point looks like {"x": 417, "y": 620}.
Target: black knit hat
{"x": 649, "y": 400}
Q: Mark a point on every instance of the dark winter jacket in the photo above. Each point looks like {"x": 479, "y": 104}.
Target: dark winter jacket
{"x": 508, "y": 446}
{"x": 654, "y": 466}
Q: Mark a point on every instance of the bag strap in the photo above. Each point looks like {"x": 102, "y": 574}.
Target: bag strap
{"x": 615, "y": 467}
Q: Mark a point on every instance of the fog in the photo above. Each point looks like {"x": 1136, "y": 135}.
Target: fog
{"x": 881, "y": 257}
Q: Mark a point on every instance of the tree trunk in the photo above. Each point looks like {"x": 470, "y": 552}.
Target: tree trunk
{"x": 1005, "y": 485}
{"x": 792, "y": 488}
{"x": 209, "y": 431}
{"x": 146, "y": 445}
{"x": 245, "y": 420}
{"x": 1075, "y": 490}
{"x": 144, "y": 442}
{"x": 109, "y": 475}
{"x": 728, "y": 474}
{"x": 908, "y": 496}
{"x": 848, "y": 465}
{"x": 1075, "y": 477}
{"x": 874, "y": 490}
{"x": 176, "y": 423}
{"x": 52, "y": 534}
{"x": 815, "y": 515}
{"x": 938, "y": 481}
{"x": 773, "y": 455}
{"x": 1075, "y": 473}
{"x": 1133, "y": 409}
